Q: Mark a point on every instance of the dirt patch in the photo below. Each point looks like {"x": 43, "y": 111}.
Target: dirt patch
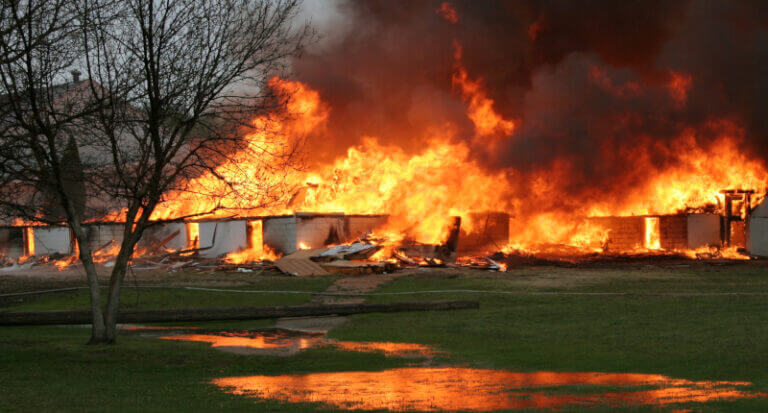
{"x": 354, "y": 284}
{"x": 555, "y": 277}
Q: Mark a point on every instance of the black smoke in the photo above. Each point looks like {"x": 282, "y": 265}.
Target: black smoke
{"x": 586, "y": 81}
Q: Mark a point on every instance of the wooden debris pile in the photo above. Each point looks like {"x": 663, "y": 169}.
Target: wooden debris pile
{"x": 364, "y": 255}
{"x": 338, "y": 259}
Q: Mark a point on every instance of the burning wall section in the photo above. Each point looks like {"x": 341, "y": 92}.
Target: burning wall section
{"x": 660, "y": 232}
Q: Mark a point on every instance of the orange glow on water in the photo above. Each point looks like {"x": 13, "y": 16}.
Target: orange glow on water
{"x": 455, "y": 389}
{"x": 388, "y": 348}
{"x": 277, "y": 339}
{"x": 153, "y": 328}
{"x": 257, "y": 341}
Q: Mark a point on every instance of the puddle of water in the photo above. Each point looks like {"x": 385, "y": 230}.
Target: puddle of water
{"x": 389, "y": 349}
{"x": 286, "y": 342}
{"x": 273, "y": 342}
{"x": 478, "y": 390}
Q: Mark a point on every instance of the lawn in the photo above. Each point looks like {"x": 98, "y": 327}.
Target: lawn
{"x": 696, "y": 337}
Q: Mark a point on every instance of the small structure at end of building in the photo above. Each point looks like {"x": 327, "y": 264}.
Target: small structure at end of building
{"x": 757, "y": 234}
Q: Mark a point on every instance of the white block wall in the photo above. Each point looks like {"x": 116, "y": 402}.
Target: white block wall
{"x": 356, "y": 226}
{"x": 703, "y": 230}
{"x": 11, "y": 242}
{"x": 315, "y": 231}
{"x": 52, "y": 240}
{"x": 100, "y": 234}
{"x": 284, "y": 234}
{"x": 757, "y": 235}
{"x": 155, "y": 234}
{"x": 279, "y": 233}
{"x": 230, "y": 237}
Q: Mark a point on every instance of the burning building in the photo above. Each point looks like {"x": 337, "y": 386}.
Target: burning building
{"x": 587, "y": 127}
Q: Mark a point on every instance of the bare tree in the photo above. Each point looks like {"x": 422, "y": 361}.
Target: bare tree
{"x": 172, "y": 84}
{"x": 38, "y": 113}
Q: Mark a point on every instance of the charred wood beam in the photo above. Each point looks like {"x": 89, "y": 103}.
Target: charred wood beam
{"x": 31, "y": 318}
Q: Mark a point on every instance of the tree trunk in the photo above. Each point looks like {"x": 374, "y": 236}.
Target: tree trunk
{"x": 98, "y": 331}
{"x": 116, "y": 280}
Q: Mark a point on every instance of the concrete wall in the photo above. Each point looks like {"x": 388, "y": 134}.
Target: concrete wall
{"x": 757, "y": 236}
{"x": 154, "y": 235}
{"x": 316, "y": 231}
{"x": 625, "y": 233}
{"x": 676, "y": 232}
{"x": 489, "y": 233}
{"x": 356, "y": 226}
{"x": 101, "y": 234}
{"x": 673, "y": 232}
{"x": 12, "y": 242}
{"x": 284, "y": 234}
{"x": 703, "y": 230}
{"x": 230, "y": 237}
{"x": 52, "y": 240}
{"x": 279, "y": 233}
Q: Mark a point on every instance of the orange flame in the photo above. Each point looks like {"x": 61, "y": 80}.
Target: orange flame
{"x": 652, "y": 233}
{"x": 490, "y": 127}
{"x": 420, "y": 191}
{"x": 256, "y": 250}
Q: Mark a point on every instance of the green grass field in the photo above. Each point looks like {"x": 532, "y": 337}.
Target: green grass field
{"x": 705, "y": 337}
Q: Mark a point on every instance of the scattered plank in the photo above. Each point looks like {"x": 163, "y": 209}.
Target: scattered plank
{"x": 354, "y": 251}
{"x": 300, "y": 264}
{"x": 167, "y": 239}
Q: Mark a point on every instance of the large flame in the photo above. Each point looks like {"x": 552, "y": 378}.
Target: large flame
{"x": 421, "y": 191}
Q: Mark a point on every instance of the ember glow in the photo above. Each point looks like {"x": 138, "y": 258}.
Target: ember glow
{"x": 462, "y": 389}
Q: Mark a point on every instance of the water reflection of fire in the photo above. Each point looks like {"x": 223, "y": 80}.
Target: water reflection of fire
{"x": 292, "y": 341}
{"x": 451, "y": 389}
